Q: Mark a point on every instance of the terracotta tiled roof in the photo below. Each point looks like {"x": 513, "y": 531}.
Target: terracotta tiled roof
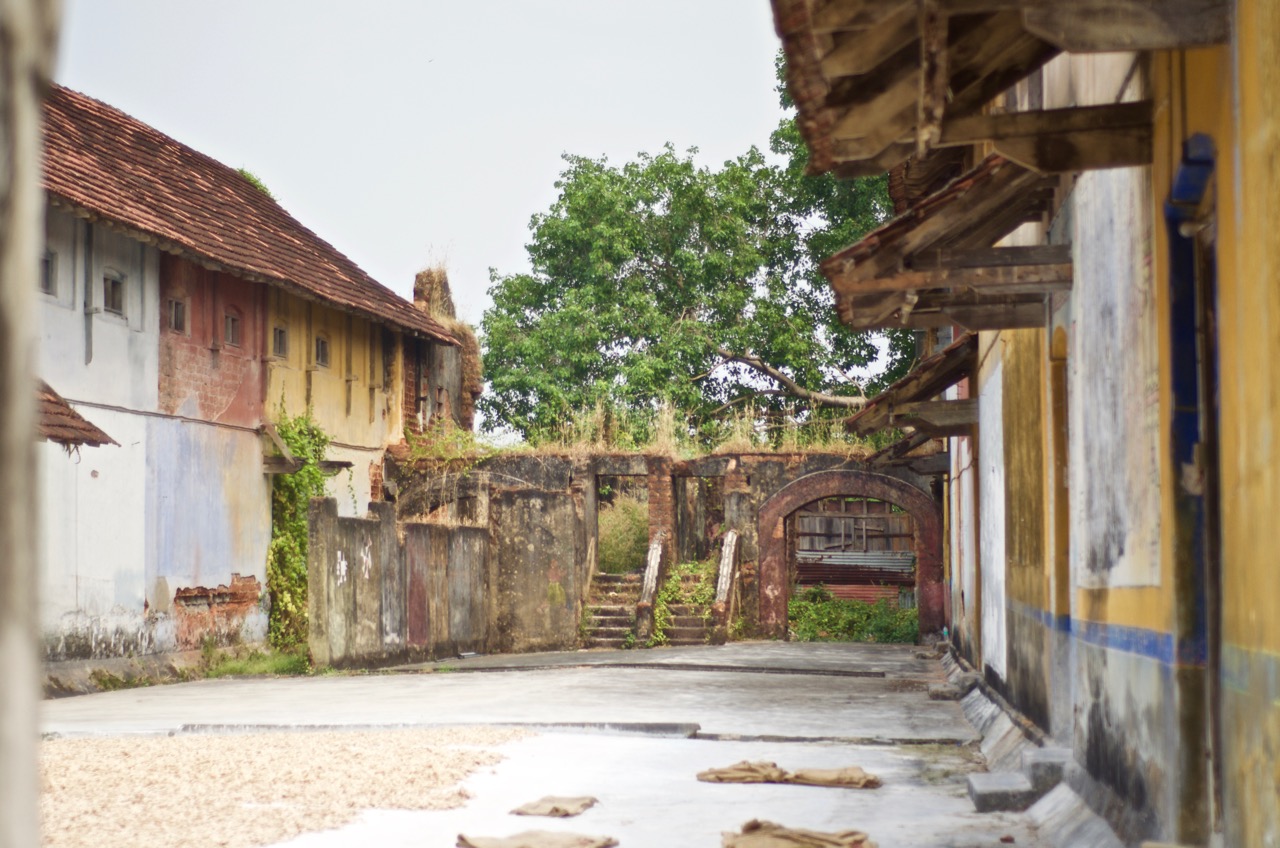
{"x": 101, "y": 161}
{"x": 58, "y": 422}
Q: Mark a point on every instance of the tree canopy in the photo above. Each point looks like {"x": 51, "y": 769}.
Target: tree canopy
{"x": 663, "y": 281}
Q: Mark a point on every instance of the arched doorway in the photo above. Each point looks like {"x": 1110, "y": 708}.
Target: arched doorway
{"x": 925, "y": 512}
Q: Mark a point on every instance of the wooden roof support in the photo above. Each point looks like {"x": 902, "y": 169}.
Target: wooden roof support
{"x": 938, "y": 418}
{"x": 996, "y": 279}
{"x": 934, "y": 75}
{"x": 1102, "y": 26}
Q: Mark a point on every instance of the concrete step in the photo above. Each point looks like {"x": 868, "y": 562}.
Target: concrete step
{"x": 1001, "y": 791}
{"x": 616, "y": 644}
{"x": 688, "y": 621}
{"x": 601, "y": 579}
{"x": 612, "y": 610}
{"x": 697, "y": 634}
{"x": 685, "y": 609}
{"x": 608, "y": 599}
{"x": 685, "y": 643}
{"x": 610, "y": 632}
{"x": 1045, "y": 767}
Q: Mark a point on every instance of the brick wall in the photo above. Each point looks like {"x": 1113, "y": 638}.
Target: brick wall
{"x": 409, "y": 405}
{"x": 200, "y": 375}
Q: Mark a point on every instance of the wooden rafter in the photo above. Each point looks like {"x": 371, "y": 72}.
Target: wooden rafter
{"x": 879, "y": 80}
{"x": 929, "y": 378}
{"x": 996, "y": 279}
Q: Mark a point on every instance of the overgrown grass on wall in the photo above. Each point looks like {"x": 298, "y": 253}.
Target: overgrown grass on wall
{"x": 814, "y": 615}
{"x": 291, "y": 496}
{"x": 623, "y": 535}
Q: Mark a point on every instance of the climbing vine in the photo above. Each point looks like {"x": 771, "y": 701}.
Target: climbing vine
{"x": 291, "y": 496}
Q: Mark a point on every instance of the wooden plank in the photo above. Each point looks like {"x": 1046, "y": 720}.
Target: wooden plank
{"x": 1100, "y": 26}
{"x": 971, "y": 129}
{"x": 934, "y": 75}
{"x": 991, "y": 257}
{"x": 1081, "y": 151}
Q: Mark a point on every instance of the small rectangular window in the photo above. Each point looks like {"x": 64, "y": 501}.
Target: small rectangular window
{"x": 231, "y": 333}
{"x": 113, "y": 294}
{"x": 48, "y": 282}
{"x": 178, "y": 316}
{"x": 322, "y": 352}
{"x": 280, "y": 342}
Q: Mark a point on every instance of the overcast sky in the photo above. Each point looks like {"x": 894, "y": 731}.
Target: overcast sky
{"x": 419, "y": 131}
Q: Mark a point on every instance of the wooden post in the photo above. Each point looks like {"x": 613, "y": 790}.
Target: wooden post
{"x": 28, "y": 31}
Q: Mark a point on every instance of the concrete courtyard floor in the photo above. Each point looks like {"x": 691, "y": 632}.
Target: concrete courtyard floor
{"x": 632, "y": 729}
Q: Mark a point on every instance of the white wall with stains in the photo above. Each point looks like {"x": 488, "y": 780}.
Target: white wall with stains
{"x": 991, "y": 516}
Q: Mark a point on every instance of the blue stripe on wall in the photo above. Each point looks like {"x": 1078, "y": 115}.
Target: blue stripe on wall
{"x": 1153, "y": 644}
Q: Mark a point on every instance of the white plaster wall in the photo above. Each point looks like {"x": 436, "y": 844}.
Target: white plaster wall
{"x": 991, "y": 514}
{"x": 93, "y": 527}
{"x": 351, "y": 488}
{"x": 1113, "y": 376}
{"x": 964, "y": 535}
{"x": 89, "y": 355}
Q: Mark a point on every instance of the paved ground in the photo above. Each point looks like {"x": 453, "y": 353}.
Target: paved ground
{"x": 631, "y": 728}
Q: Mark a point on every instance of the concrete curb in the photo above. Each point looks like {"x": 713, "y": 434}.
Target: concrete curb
{"x": 82, "y": 677}
{"x": 1062, "y": 817}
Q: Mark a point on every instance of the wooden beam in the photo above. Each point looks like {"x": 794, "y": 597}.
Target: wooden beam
{"x": 1081, "y": 151}
{"x": 1103, "y": 26}
{"x": 935, "y": 415}
{"x": 972, "y": 129}
{"x": 977, "y": 204}
{"x": 930, "y": 465}
{"x": 990, "y": 257}
{"x": 839, "y": 15}
{"x": 1007, "y": 317}
{"x": 860, "y": 53}
{"x": 934, "y": 75}
{"x": 999, "y": 279}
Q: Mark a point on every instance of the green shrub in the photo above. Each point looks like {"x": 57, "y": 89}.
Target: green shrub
{"x": 674, "y": 590}
{"x": 623, "y": 535}
{"x": 816, "y": 616}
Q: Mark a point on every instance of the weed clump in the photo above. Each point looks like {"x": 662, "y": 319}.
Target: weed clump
{"x": 815, "y": 615}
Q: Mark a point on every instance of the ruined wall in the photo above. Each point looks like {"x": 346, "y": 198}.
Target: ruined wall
{"x": 505, "y": 573}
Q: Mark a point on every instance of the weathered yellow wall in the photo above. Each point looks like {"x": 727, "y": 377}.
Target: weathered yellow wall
{"x": 1024, "y": 465}
{"x": 339, "y": 395}
{"x": 1248, "y": 203}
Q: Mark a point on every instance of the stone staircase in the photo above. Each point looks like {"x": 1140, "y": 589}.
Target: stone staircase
{"x": 690, "y": 623}
{"x": 612, "y": 610}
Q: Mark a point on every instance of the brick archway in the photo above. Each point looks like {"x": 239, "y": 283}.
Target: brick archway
{"x": 926, "y": 513}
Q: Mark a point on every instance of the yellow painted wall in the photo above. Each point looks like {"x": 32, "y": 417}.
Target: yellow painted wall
{"x": 1024, "y": 465}
{"x": 351, "y": 398}
{"x": 1248, "y": 221}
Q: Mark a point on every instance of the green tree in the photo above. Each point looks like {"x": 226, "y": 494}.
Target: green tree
{"x": 661, "y": 281}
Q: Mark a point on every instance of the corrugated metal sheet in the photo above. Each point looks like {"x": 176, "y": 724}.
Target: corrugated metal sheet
{"x": 893, "y": 560}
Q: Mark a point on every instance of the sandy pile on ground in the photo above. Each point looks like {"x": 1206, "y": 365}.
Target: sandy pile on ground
{"x": 249, "y": 789}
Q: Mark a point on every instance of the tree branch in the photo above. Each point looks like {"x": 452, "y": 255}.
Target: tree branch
{"x": 792, "y": 387}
